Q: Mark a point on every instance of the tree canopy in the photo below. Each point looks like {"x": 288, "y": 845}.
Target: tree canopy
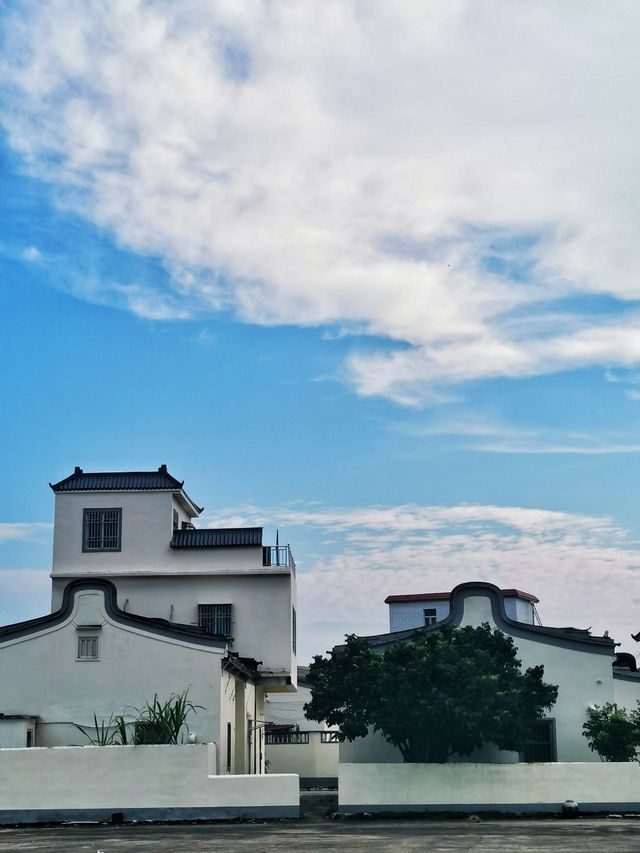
{"x": 612, "y": 732}
{"x": 440, "y": 693}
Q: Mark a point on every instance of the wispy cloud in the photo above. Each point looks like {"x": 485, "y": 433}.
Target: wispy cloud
{"x": 482, "y": 435}
{"x": 25, "y": 530}
{"x": 584, "y": 568}
{"x": 429, "y": 175}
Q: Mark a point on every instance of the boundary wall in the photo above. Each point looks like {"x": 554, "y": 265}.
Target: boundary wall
{"x": 141, "y": 782}
{"x": 516, "y": 788}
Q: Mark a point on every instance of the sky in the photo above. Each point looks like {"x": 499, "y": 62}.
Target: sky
{"x": 365, "y": 273}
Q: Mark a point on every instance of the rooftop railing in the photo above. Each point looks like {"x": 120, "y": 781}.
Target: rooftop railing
{"x": 278, "y": 555}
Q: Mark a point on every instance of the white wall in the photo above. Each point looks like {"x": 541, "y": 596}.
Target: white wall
{"x": 157, "y": 782}
{"x": 404, "y": 615}
{"x": 40, "y": 674}
{"x": 313, "y": 760}
{"x": 13, "y": 733}
{"x": 261, "y": 608}
{"x": 499, "y": 787}
{"x": 626, "y": 692}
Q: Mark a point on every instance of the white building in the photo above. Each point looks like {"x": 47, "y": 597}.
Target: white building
{"x": 586, "y": 668}
{"x": 145, "y": 603}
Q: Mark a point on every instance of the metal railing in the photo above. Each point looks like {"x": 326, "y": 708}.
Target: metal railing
{"x": 278, "y": 555}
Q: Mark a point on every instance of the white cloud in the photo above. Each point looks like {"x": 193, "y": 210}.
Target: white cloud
{"x": 32, "y": 254}
{"x": 356, "y": 165}
{"x": 583, "y": 568}
{"x": 22, "y": 530}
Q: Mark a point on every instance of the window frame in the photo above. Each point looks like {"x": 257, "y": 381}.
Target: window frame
{"x": 225, "y": 614}
{"x": 85, "y": 528}
{"x": 84, "y": 638}
{"x": 432, "y": 615}
{"x": 552, "y": 744}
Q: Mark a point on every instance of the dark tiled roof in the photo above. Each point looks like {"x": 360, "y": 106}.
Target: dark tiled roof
{"x": 119, "y": 481}
{"x": 222, "y": 537}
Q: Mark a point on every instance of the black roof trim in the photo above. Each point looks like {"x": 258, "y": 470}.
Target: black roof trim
{"x": 626, "y": 675}
{"x": 578, "y": 639}
{"x": 162, "y": 627}
{"x": 121, "y": 481}
{"x": 221, "y": 537}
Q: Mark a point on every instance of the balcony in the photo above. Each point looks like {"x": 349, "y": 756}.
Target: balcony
{"x": 278, "y": 555}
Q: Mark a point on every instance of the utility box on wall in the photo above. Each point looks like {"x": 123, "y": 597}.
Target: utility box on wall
{"x": 17, "y": 731}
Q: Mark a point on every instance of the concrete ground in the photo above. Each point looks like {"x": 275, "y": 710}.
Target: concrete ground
{"x": 319, "y": 834}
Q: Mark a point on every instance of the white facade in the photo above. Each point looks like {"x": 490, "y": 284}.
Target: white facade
{"x": 581, "y": 666}
{"x": 145, "y": 604}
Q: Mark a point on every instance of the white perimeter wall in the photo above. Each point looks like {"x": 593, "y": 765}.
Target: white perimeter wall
{"x": 499, "y": 787}
{"x": 313, "y": 760}
{"x": 161, "y": 781}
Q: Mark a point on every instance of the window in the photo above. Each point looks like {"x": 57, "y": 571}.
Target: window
{"x": 294, "y": 630}
{"x": 101, "y": 529}
{"x": 329, "y": 737}
{"x": 542, "y": 746}
{"x": 228, "y": 747}
{"x": 216, "y": 619}
{"x": 176, "y": 520}
{"x": 279, "y": 738}
{"x": 88, "y": 648}
{"x": 430, "y": 617}
{"x": 29, "y": 737}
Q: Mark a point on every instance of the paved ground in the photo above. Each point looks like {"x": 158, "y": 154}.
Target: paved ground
{"x": 317, "y": 834}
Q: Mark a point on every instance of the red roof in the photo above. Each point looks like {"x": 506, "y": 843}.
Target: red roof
{"x": 445, "y": 596}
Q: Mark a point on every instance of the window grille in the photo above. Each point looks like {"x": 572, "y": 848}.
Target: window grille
{"x": 542, "y": 744}
{"x": 216, "y": 619}
{"x": 279, "y": 738}
{"x": 430, "y": 617}
{"x": 329, "y": 737}
{"x": 176, "y": 520}
{"x": 88, "y": 648}
{"x": 101, "y": 530}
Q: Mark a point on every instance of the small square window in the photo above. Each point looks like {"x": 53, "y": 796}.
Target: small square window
{"x": 216, "y": 619}
{"x": 430, "y": 616}
{"x": 88, "y": 648}
{"x": 102, "y": 529}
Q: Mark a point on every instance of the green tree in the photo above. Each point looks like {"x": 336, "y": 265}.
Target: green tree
{"x": 613, "y": 732}
{"x": 441, "y": 693}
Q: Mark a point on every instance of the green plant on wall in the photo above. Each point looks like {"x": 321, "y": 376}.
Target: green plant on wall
{"x": 612, "y": 732}
{"x": 158, "y": 722}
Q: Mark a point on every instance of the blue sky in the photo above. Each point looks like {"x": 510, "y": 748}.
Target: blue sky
{"x": 390, "y": 308}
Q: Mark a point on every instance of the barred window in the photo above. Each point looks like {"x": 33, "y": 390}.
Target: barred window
{"x": 329, "y": 737}
{"x": 216, "y": 619}
{"x": 101, "y": 529}
{"x": 542, "y": 742}
{"x": 279, "y": 738}
{"x": 88, "y": 648}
